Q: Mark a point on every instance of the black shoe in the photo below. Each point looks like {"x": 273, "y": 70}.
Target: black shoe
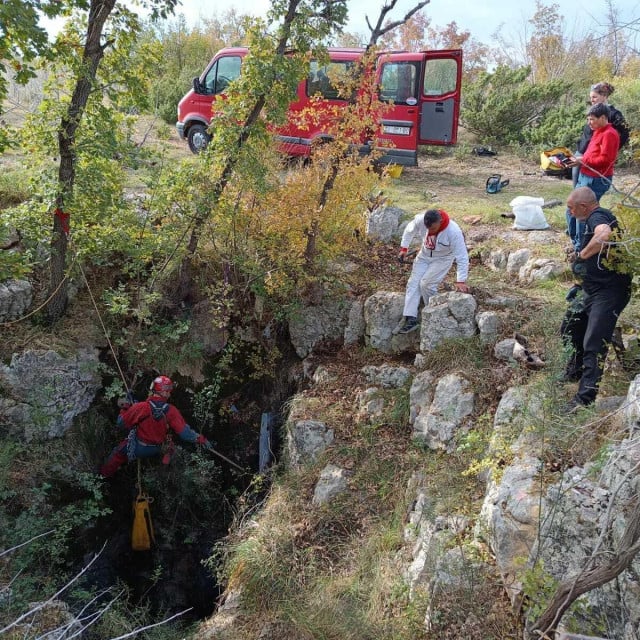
{"x": 410, "y": 324}
{"x": 574, "y": 405}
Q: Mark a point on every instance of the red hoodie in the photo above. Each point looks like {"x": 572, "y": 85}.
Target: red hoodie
{"x": 601, "y": 153}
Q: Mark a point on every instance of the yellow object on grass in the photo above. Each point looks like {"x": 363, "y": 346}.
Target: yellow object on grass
{"x": 394, "y": 170}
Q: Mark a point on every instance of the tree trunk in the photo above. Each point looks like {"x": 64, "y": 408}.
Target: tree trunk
{"x": 569, "y": 590}
{"x": 99, "y": 11}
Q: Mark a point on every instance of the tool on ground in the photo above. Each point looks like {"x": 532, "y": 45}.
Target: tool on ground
{"x": 495, "y": 183}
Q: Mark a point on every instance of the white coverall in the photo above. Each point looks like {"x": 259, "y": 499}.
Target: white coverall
{"x": 433, "y": 261}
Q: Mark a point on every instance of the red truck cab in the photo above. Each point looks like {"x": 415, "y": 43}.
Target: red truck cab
{"x": 421, "y": 88}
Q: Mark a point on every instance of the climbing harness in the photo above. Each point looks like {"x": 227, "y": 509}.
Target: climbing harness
{"x": 142, "y": 536}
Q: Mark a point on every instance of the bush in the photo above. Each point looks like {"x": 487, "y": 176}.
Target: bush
{"x": 501, "y": 107}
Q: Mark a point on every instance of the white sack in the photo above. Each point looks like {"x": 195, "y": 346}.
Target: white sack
{"x": 528, "y": 213}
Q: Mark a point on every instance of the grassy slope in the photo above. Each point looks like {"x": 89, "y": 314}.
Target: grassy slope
{"x": 335, "y": 571}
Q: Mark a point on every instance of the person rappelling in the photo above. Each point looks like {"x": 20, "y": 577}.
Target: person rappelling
{"x": 150, "y": 423}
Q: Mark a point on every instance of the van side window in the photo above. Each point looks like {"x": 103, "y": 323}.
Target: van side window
{"x": 399, "y": 82}
{"x": 221, "y": 74}
{"x": 440, "y": 76}
{"x": 325, "y": 80}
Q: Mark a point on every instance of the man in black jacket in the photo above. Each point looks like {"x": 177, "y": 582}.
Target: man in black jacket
{"x": 606, "y": 294}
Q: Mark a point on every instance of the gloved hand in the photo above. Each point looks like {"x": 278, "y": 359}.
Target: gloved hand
{"x": 462, "y": 287}
{"x": 123, "y": 403}
{"x": 204, "y": 442}
{"x": 402, "y": 254}
{"x": 573, "y": 292}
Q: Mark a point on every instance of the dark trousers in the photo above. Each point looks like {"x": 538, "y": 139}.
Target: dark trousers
{"x": 589, "y": 333}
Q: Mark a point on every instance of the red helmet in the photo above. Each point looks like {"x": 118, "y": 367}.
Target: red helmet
{"x": 162, "y": 386}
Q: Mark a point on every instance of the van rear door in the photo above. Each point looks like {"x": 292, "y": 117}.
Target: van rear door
{"x": 423, "y": 92}
{"x": 440, "y": 98}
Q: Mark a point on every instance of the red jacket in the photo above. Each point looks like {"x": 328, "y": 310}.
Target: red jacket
{"x": 151, "y": 430}
{"x": 601, "y": 153}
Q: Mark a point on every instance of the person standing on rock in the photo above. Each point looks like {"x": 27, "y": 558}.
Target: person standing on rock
{"x": 149, "y": 423}
{"x": 442, "y": 245}
{"x": 606, "y": 293}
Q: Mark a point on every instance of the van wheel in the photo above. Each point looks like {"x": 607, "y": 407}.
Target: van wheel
{"x": 198, "y": 138}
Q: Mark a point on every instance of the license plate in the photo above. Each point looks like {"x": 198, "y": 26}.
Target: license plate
{"x": 400, "y": 131}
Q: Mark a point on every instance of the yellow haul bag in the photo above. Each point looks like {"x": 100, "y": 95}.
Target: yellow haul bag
{"x": 550, "y": 160}
{"x": 142, "y": 533}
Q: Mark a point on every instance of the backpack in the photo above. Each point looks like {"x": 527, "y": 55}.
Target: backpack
{"x": 158, "y": 409}
{"x": 495, "y": 184}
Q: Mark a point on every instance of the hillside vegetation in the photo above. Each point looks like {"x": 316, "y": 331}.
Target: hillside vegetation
{"x": 130, "y": 257}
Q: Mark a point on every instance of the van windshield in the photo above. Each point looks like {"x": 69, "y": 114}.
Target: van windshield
{"x": 221, "y": 74}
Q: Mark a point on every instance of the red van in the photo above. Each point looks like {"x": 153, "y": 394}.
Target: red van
{"x": 422, "y": 88}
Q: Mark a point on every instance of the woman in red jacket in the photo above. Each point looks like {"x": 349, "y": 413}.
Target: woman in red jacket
{"x": 596, "y": 165}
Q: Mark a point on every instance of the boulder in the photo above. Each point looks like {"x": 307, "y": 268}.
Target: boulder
{"x": 15, "y": 299}
{"x": 452, "y": 405}
{"x": 382, "y": 314}
{"x": 316, "y": 323}
{"x": 332, "y": 482}
{"x": 509, "y": 519}
{"x": 421, "y": 394}
{"x": 387, "y": 376}
{"x": 517, "y": 260}
{"x": 540, "y": 269}
{"x": 488, "y": 325}
{"x": 448, "y": 315}
{"x": 307, "y": 440}
{"x": 355, "y": 329}
{"x": 383, "y": 223}
{"x": 44, "y": 392}
{"x": 370, "y": 403}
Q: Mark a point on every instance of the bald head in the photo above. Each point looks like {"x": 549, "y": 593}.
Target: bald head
{"x": 584, "y": 195}
{"x": 581, "y": 202}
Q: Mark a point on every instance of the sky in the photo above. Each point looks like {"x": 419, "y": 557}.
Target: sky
{"x": 481, "y": 17}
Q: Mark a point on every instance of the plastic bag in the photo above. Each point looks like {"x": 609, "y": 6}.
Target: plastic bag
{"x": 528, "y": 213}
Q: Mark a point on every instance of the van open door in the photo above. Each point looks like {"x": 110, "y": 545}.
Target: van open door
{"x": 423, "y": 92}
{"x": 440, "y": 99}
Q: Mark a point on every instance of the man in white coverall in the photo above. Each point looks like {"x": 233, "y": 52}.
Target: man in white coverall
{"x": 443, "y": 243}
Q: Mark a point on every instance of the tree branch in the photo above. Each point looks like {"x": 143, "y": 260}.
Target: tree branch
{"x": 569, "y": 590}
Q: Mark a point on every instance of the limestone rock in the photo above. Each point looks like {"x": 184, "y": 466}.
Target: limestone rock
{"x": 448, "y": 315}
{"x": 313, "y": 324}
{"x": 306, "y": 440}
{"x": 540, "y": 269}
{"x": 488, "y": 325}
{"x": 387, "y": 376}
{"x": 15, "y": 299}
{"x": 421, "y": 394}
{"x": 509, "y": 519}
{"x": 517, "y": 260}
{"x": 370, "y": 403}
{"x": 332, "y": 482}
{"x": 383, "y": 223}
{"x": 355, "y": 329}
{"x": 382, "y": 314}
{"x": 45, "y": 391}
{"x": 452, "y": 404}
